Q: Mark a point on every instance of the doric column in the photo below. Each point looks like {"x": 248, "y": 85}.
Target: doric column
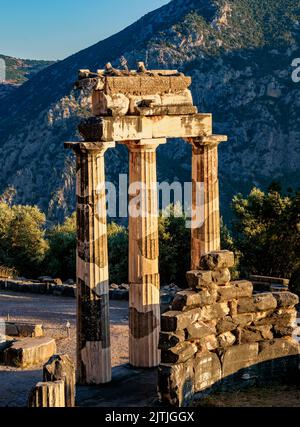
{"x": 205, "y": 197}
{"x": 144, "y": 305}
{"x": 93, "y": 335}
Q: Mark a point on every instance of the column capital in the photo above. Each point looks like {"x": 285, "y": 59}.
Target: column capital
{"x": 207, "y": 141}
{"x": 144, "y": 144}
{"x": 90, "y": 147}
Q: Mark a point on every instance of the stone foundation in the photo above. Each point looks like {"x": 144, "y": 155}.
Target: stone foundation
{"x": 218, "y": 330}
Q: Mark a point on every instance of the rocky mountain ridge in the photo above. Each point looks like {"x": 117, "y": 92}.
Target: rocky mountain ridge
{"x": 239, "y": 54}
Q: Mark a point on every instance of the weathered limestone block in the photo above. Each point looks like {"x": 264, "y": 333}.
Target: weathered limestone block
{"x": 163, "y": 110}
{"x": 244, "y": 288}
{"x": 283, "y": 331}
{"x": 259, "y": 302}
{"x": 221, "y": 277}
{"x": 230, "y": 323}
{"x": 227, "y": 324}
{"x": 173, "y": 321}
{"x": 243, "y": 319}
{"x": 217, "y": 260}
{"x": 114, "y": 105}
{"x": 281, "y": 317}
{"x": 62, "y": 368}
{"x": 208, "y": 371}
{"x": 233, "y": 307}
{"x": 214, "y": 311}
{"x": 235, "y": 290}
{"x": 199, "y": 279}
{"x": 132, "y": 128}
{"x": 47, "y": 395}
{"x": 238, "y": 357}
{"x": 144, "y": 85}
{"x": 277, "y": 348}
{"x": 29, "y": 352}
{"x": 169, "y": 340}
{"x": 205, "y": 344}
{"x": 16, "y": 329}
{"x": 226, "y": 340}
{"x": 186, "y": 300}
{"x": 226, "y": 293}
{"x": 254, "y": 334}
{"x": 179, "y": 354}
{"x": 286, "y": 299}
{"x": 200, "y": 330}
{"x": 176, "y": 383}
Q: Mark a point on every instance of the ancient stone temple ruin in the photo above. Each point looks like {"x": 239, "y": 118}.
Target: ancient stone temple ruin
{"x": 141, "y": 109}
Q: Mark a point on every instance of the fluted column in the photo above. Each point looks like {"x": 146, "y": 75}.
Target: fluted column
{"x": 93, "y": 334}
{"x": 205, "y": 197}
{"x": 144, "y": 305}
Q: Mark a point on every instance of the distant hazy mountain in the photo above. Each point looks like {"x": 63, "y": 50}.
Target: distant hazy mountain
{"x": 19, "y": 71}
{"x": 239, "y": 54}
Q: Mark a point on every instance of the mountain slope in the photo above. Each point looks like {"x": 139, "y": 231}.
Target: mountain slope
{"x": 239, "y": 54}
{"x": 20, "y": 70}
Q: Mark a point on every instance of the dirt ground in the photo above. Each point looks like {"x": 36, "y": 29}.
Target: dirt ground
{"x": 54, "y": 313}
{"x": 275, "y": 396}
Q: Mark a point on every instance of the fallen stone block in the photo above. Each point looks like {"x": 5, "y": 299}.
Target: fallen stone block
{"x": 176, "y": 383}
{"x": 281, "y": 317}
{"x": 173, "y": 321}
{"x": 243, "y": 319}
{"x": 200, "y": 330}
{"x": 226, "y": 340}
{"x": 186, "y": 300}
{"x": 169, "y": 340}
{"x": 286, "y": 299}
{"x": 221, "y": 277}
{"x": 227, "y": 324}
{"x": 179, "y": 354}
{"x": 259, "y": 302}
{"x": 198, "y": 279}
{"x": 62, "y": 368}
{"x": 208, "y": 343}
{"x": 278, "y": 348}
{"x": 226, "y": 293}
{"x": 214, "y": 311}
{"x": 217, "y": 260}
{"x": 230, "y": 323}
{"x": 18, "y": 329}
{"x": 283, "y": 331}
{"x": 47, "y": 395}
{"x": 238, "y": 357}
{"x": 208, "y": 371}
{"x": 233, "y": 307}
{"x": 253, "y": 334}
{"x": 29, "y": 352}
{"x": 243, "y": 288}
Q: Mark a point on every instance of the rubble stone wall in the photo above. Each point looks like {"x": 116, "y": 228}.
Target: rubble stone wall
{"x": 217, "y": 328}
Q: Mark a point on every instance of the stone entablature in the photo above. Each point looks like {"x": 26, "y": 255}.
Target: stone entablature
{"x": 218, "y": 327}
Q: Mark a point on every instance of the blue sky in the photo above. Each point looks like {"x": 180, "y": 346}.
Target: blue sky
{"x": 54, "y": 29}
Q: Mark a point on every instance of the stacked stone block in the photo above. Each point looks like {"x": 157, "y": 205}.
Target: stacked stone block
{"x": 218, "y": 327}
